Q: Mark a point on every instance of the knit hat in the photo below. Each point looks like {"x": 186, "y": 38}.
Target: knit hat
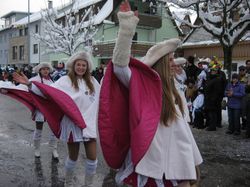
{"x": 80, "y": 56}
{"x": 235, "y": 76}
{"x": 180, "y": 61}
{"x": 242, "y": 68}
{"x": 37, "y": 68}
{"x": 159, "y": 50}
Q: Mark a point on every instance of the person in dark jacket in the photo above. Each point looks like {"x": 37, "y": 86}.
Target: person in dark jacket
{"x": 191, "y": 70}
{"x": 212, "y": 98}
{"x": 246, "y": 110}
{"x": 235, "y": 91}
{"x": 222, "y": 77}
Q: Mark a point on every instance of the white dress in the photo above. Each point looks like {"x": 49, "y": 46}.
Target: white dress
{"x": 38, "y": 115}
{"x": 87, "y": 104}
{"x": 173, "y": 152}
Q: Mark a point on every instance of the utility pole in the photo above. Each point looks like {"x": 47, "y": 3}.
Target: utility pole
{"x": 28, "y": 37}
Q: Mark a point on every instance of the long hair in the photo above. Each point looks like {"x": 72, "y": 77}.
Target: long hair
{"x": 41, "y": 77}
{"x": 86, "y": 77}
{"x": 170, "y": 95}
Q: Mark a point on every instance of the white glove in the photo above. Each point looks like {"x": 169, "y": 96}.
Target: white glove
{"x": 127, "y": 25}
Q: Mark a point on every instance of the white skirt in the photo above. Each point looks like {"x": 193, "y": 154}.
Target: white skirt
{"x": 39, "y": 117}
{"x": 69, "y": 128}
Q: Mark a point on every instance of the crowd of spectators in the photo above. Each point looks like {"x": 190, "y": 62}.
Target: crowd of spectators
{"x": 208, "y": 91}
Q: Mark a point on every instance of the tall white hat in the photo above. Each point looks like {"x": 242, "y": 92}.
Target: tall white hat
{"x": 180, "y": 61}
{"x": 159, "y": 50}
{"x": 37, "y": 68}
{"x": 80, "y": 56}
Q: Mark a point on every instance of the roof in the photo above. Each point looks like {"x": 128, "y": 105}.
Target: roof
{"x": 199, "y": 36}
{"x": 12, "y": 13}
{"x": 103, "y": 13}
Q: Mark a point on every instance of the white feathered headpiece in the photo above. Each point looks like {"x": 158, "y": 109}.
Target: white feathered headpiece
{"x": 159, "y": 50}
{"x": 37, "y": 68}
{"x": 80, "y": 56}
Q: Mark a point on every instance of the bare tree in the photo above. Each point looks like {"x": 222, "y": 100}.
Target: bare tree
{"x": 226, "y": 20}
{"x": 66, "y": 30}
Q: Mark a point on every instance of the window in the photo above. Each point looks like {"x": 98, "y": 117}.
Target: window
{"x": 26, "y": 31}
{"x": 234, "y": 67}
{"x": 13, "y": 19}
{"x": 20, "y": 32}
{"x": 135, "y": 37}
{"x": 21, "y": 52}
{"x": 14, "y": 52}
{"x": 36, "y": 29}
{"x": 35, "y": 48}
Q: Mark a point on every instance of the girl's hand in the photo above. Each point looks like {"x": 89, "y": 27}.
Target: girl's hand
{"x": 125, "y": 6}
{"x": 3, "y": 91}
{"x": 20, "y": 78}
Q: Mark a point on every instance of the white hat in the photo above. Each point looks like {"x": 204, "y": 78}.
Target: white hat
{"x": 37, "y": 68}
{"x": 159, "y": 50}
{"x": 180, "y": 61}
{"x": 80, "y": 56}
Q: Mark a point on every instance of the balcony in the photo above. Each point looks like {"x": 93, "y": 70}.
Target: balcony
{"x": 105, "y": 49}
{"x": 153, "y": 21}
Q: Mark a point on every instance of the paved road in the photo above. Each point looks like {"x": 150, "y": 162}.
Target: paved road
{"x": 18, "y": 167}
{"x": 226, "y": 157}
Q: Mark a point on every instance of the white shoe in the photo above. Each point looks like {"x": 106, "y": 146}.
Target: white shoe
{"x": 53, "y": 145}
{"x": 55, "y": 154}
{"x": 37, "y": 148}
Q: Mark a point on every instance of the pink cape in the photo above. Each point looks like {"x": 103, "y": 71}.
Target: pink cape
{"x": 54, "y": 107}
{"x": 128, "y": 118}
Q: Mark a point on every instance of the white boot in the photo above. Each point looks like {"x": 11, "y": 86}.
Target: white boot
{"x": 37, "y": 148}
{"x": 89, "y": 179}
{"x": 53, "y": 145}
{"x": 69, "y": 182}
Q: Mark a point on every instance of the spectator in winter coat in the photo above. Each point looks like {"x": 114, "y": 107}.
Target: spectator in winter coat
{"x": 198, "y": 110}
{"x": 248, "y": 71}
{"x": 235, "y": 91}
{"x": 59, "y": 72}
{"x": 243, "y": 80}
{"x": 212, "y": 98}
{"x": 246, "y": 110}
{"x": 192, "y": 70}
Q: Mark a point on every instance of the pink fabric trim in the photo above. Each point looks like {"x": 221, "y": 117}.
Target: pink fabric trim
{"x": 23, "y": 97}
{"x": 132, "y": 180}
{"x": 55, "y": 106}
{"x": 129, "y": 118}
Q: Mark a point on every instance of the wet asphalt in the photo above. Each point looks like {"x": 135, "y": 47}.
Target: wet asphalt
{"x": 226, "y": 157}
{"x": 19, "y": 167}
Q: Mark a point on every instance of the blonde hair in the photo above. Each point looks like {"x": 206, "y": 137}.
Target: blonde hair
{"x": 86, "y": 77}
{"x": 170, "y": 95}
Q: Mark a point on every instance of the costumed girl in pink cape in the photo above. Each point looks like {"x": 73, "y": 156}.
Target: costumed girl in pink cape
{"x": 83, "y": 89}
{"x": 143, "y": 131}
{"x": 43, "y": 71}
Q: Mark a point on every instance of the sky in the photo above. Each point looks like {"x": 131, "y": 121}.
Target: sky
{"x": 7, "y": 6}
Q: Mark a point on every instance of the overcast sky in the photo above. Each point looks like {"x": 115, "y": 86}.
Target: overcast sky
{"x": 7, "y": 6}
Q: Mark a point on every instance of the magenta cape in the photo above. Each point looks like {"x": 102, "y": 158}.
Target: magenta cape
{"x": 128, "y": 118}
{"x": 54, "y": 107}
